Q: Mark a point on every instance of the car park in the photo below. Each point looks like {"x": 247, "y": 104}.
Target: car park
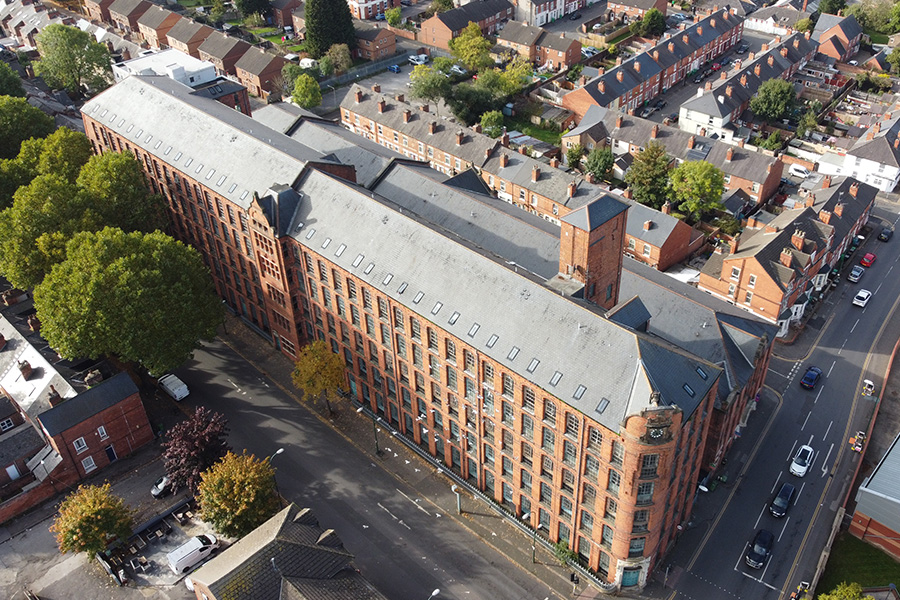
{"x": 395, "y": 69}
{"x": 868, "y": 259}
{"x": 760, "y": 549}
{"x": 856, "y": 274}
{"x": 802, "y": 461}
{"x": 886, "y": 234}
{"x": 162, "y": 487}
{"x": 862, "y": 298}
{"x": 811, "y": 378}
{"x": 782, "y": 500}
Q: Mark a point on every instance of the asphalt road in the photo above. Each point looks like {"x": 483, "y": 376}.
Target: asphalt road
{"x": 404, "y": 545}
{"x": 853, "y": 345}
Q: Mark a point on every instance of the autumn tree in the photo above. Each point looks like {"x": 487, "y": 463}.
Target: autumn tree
{"x": 844, "y": 591}
{"x": 89, "y": 518}
{"x": 808, "y": 122}
{"x": 193, "y": 446}
{"x": 393, "y": 16}
{"x": 805, "y": 24}
{"x": 440, "y": 6}
{"x": 307, "y": 93}
{"x": 832, "y": 7}
{"x": 599, "y": 163}
{"x": 648, "y": 176}
{"x": 427, "y": 83}
{"x": 319, "y": 373}
{"x": 237, "y": 494}
{"x": 339, "y": 54}
{"x": 328, "y": 22}
{"x": 72, "y": 59}
{"x": 472, "y": 48}
{"x": 10, "y": 82}
{"x": 697, "y": 185}
{"x": 20, "y": 121}
{"x": 894, "y": 59}
{"x": 774, "y": 99}
{"x": 145, "y": 298}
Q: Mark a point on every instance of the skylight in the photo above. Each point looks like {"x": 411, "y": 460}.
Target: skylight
{"x": 474, "y": 330}
{"x": 437, "y": 308}
{"x": 513, "y": 353}
{"x": 491, "y": 341}
{"x": 311, "y": 233}
{"x": 533, "y": 365}
{"x": 326, "y": 242}
{"x": 418, "y": 297}
{"x": 369, "y": 268}
{"x": 454, "y": 318}
{"x": 358, "y": 260}
{"x": 555, "y": 379}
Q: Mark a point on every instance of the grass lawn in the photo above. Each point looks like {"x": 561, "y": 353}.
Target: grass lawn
{"x": 877, "y": 38}
{"x": 526, "y": 127}
{"x": 620, "y": 38}
{"x": 853, "y": 560}
{"x": 191, "y": 3}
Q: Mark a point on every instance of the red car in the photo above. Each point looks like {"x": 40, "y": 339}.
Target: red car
{"x": 868, "y": 259}
{"x": 716, "y": 67}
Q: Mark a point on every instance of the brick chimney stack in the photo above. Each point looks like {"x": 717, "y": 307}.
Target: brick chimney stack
{"x": 777, "y": 39}
{"x": 728, "y": 90}
{"x": 784, "y": 52}
{"x": 797, "y": 41}
{"x": 648, "y": 225}
{"x": 2, "y": 341}
{"x": 723, "y": 74}
{"x": 459, "y": 138}
{"x": 381, "y": 105}
{"x": 424, "y": 108}
{"x": 572, "y": 188}
{"x": 854, "y": 189}
{"x": 666, "y": 208}
{"x": 535, "y": 173}
{"x": 757, "y": 70}
{"x": 786, "y": 257}
{"x": 400, "y": 98}
{"x": 897, "y": 143}
{"x": 839, "y": 209}
{"x": 554, "y": 162}
{"x": 504, "y": 160}
{"x": 691, "y": 143}
{"x": 654, "y": 132}
{"x": 751, "y": 56}
{"x": 359, "y": 96}
{"x": 712, "y": 23}
{"x": 602, "y": 87}
{"x": 637, "y": 67}
{"x": 765, "y": 48}
{"x": 620, "y": 75}
{"x": 825, "y": 216}
{"x": 619, "y": 120}
{"x": 740, "y": 143}
{"x": 25, "y": 369}
{"x": 432, "y": 126}
{"x": 656, "y": 55}
{"x": 826, "y": 182}
{"x": 487, "y": 153}
{"x": 54, "y": 397}
{"x": 734, "y": 243}
{"x": 700, "y": 31}
{"x": 729, "y": 154}
{"x": 33, "y": 323}
{"x": 671, "y": 47}
{"x": 504, "y": 139}
{"x": 685, "y": 38}
{"x": 797, "y": 239}
{"x": 743, "y": 80}
{"x": 376, "y": 88}
{"x": 708, "y": 86}
{"x": 407, "y": 115}
{"x": 771, "y": 60}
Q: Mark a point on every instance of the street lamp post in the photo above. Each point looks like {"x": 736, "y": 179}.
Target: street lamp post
{"x": 433, "y": 594}
{"x": 333, "y": 94}
{"x": 274, "y": 476}
{"x": 374, "y": 430}
{"x": 455, "y": 490}
{"x": 534, "y": 542}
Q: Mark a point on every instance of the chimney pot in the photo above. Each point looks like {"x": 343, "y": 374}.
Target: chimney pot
{"x": 459, "y": 138}
{"x": 554, "y": 162}
{"x": 407, "y": 115}
{"x": 729, "y": 154}
{"x": 648, "y": 225}
{"x": 535, "y": 173}
{"x": 504, "y": 160}
{"x": 376, "y": 88}
{"x": 619, "y": 120}
{"x": 572, "y": 187}
{"x": 854, "y": 188}
{"x": 691, "y": 142}
{"x": 654, "y": 132}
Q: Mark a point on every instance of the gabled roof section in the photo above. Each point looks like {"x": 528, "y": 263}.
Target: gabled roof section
{"x": 883, "y": 147}
{"x": 848, "y": 26}
{"x": 632, "y": 314}
{"x": 155, "y": 16}
{"x": 517, "y": 32}
{"x": 219, "y": 45}
{"x": 255, "y": 61}
{"x": 187, "y": 31}
{"x": 87, "y": 404}
{"x": 459, "y": 18}
{"x": 681, "y": 380}
{"x": 596, "y": 213}
{"x": 127, "y": 7}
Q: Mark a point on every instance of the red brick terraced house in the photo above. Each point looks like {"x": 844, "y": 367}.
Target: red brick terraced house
{"x": 434, "y": 328}
{"x": 97, "y": 11}
{"x": 838, "y": 37}
{"x": 155, "y": 24}
{"x": 375, "y": 44}
{"x": 489, "y": 15}
{"x": 635, "y": 9}
{"x": 775, "y": 266}
{"x": 649, "y": 74}
{"x": 539, "y": 46}
{"x": 281, "y": 11}
{"x": 259, "y": 71}
{"x": 369, "y": 9}
{"x": 187, "y": 36}
{"x": 124, "y": 14}
{"x": 223, "y": 51}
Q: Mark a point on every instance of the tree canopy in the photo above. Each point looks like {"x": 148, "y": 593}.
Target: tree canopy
{"x": 143, "y": 297}
{"x": 252, "y": 7}
{"x": 20, "y": 121}
{"x": 832, "y": 7}
{"x": 237, "y": 494}
{"x": 808, "y": 122}
{"x": 845, "y": 591}
{"x": 574, "y": 155}
{"x": 440, "y": 6}
{"x": 492, "y": 123}
{"x": 648, "y": 177}
{"x": 193, "y": 446}
{"x": 427, "y": 83}
{"x": 340, "y": 58}
{"x": 393, "y": 16}
{"x": 599, "y": 163}
{"x": 774, "y": 99}
{"x": 71, "y": 59}
{"x": 805, "y": 24}
{"x": 328, "y": 22}
{"x": 697, "y": 185}
{"x": 10, "y": 82}
{"x": 894, "y": 59}
{"x": 472, "y": 48}
{"x": 307, "y": 92}
{"x": 89, "y": 517}
{"x": 653, "y": 23}
{"x": 319, "y": 372}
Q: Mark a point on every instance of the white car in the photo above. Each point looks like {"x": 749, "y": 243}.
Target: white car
{"x": 458, "y": 70}
{"x": 418, "y": 59}
{"x": 802, "y": 461}
{"x": 862, "y": 298}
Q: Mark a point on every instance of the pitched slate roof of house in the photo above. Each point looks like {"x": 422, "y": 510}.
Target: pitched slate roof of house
{"x": 255, "y": 61}
{"x": 155, "y": 16}
{"x": 745, "y": 164}
{"x": 88, "y": 403}
{"x": 458, "y": 19}
{"x": 879, "y": 60}
{"x": 290, "y": 548}
{"x": 661, "y": 225}
{"x": 370, "y": 35}
{"x": 848, "y": 26}
{"x": 882, "y": 148}
{"x": 782, "y": 15}
{"x": 835, "y": 44}
{"x": 186, "y": 31}
{"x": 555, "y": 41}
{"x": 517, "y": 32}
{"x": 126, "y": 7}
{"x": 641, "y": 4}
{"x": 218, "y": 45}
{"x": 444, "y": 138}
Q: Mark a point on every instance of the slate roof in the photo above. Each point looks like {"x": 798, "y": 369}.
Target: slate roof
{"x": 88, "y": 403}
{"x": 642, "y": 4}
{"x": 288, "y": 550}
{"x": 369, "y": 35}
{"x": 282, "y": 4}
{"x": 745, "y": 164}
{"x": 21, "y": 442}
{"x": 126, "y": 7}
{"x": 517, "y": 32}
{"x": 155, "y": 16}
{"x": 216, "y": 142}
{"x": 848, "y": 25}
{"x": 220, "y": 45}
{"x": 554, "y": 41}
{"x": 458, "y": 18}
{"x": 187, "y": 31}
{"x": 444, "y": 138}
{"x": 783, "y": 15}
{"x": 102, "y": 35}
{"x": 256, "y": 61}
{"x": 662, "y": 225}
{"x": 280, "y": 116}
{"x": 879, "y": 60}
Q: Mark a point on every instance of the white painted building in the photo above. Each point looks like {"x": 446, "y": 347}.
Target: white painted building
{"x": 874, "y": 158}
{"x": 167, "y": 63}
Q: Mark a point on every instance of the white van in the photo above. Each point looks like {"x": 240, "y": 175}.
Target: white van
{"x": 799, "y": 171}
{"x": 191, "y": 553}
{"x": 309, "y": 63}
{"x": 174, "y": 387}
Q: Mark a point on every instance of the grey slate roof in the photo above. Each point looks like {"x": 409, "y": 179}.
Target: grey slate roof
{"x": 849, "y": 26}
{"x": 304, "y": 555}
{"x": 186, "y": 31}
{"x": 125, "y": 7}
{"x": 215, "y": 142}
{"x": 596, "y": 213}
{"x": 783, "y": 15}
{"x": 661, "y": 224}
{"x": 154, "y": 17}
{"x": 600, "y": 363}
{"x": 880, "y": 148}
{"x": 255, "y": 61}
{"x": 20, "y": 442}
{"x": 517, "y": 32}
{"x": 642, "y": 4}
{"x": 458, "y": 18}
{"x": 220, "y": 45}
{"x": 88, "y": 403}
{"x": 280, "y": 116}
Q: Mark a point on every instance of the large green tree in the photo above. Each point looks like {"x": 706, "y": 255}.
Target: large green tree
{"x": 832, "y": 7}
{"x": 307, "y": 92}
{"x": 472, "y": 48}
{"x": 193, "y": 446}
{"x": 393, "y": 16}
{"x": 89, "y": 518}
{"x": 427, "y": 83}
{"x": 143, "y": 297}
{"x": 697, "y": 186}
{"x": 844, "y": 591}
{"x": 653, "y": 23}
{"x": 440, "y": 6}
{"x": 328, "y": 22}
{"x": 808, "y": 123}
{"x": 648, "y": 177}
{"x": 774, "y": 99}
{"x": 237, "y": 494}
{"x": 10, "y": 82}
{"x": 574, "y": 155}
{"x": 340, "y": 58}
{"x": 599, "y": 163}
{"x": 319, "y": 373}
{"x": 492, "y": 123}
{"x": 62, "y": 153}
{"x": 894, "y": 59}
{"x": 20, "y": 121}
{"x": 252, "y": 7}
{"x": 468, "y": 102}
{"x": 116, "y": 182}
{"x": 71, "y": 59}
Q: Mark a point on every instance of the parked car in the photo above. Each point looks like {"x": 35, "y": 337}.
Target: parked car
{"x": 802, "y": 461}
{"x": 380, "y": 17}
{"x": 418, "y": 59}
{"x": 174, "y": 387}
{"x": 856, "y": 273}
{"x": 743, "y": 48}
{"x": 406, "y": 2}
{"x": 646, "y": 111}
{"x": 886, "y": 234}
{"x": 798, "y": 171}
{"x": 868, "y": 259}
{"x": 458, "y": 70}
{"x": 760, "y": 548}
{"x": 862, "y": 298}
{"x": 811, "y": 378}
{"x": 715, "y": 67}
{"x": 782, "y": 500}
{"x": 162, "y": 487}
{"x": 575, "y": 17}
{"x": 660, "y": 104}
{"x": 597, "y": 26}
{"x": 395, "y": 69}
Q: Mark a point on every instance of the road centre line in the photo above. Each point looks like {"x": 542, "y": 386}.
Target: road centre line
{"x": 879, "y": 287}
{"x": 416, "y": 504}
{"x": 854, "y": 326}
{"x": 821, "y": 389}
{"x": 783, "y": 529}
{"x": 775, "y": 485}
{"x": 755, "y": 525}
{"x": 827, "y": 430}
{"x": 805, "y": 420}
{"x": 834, "y": 362}
{"x": 842, "y": 347}
{"x": 802, "y": 485}
{"x": 791, "y": 455}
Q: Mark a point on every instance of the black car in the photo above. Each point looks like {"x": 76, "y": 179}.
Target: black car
{"x": 575, "y": 17}
{"x": 886, "y": 234}
{"x": 743, "y": 48}
{"x": 782, "y": 501}
{"x": 760, "y": 548}
{"x": 660, "y": 104}
{"x": 811, "y": 378}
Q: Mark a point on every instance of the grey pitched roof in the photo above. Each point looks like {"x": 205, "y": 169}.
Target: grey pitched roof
{"x": 280, "y": 116}
{"x": 517, "y": 32}
{"x": 596, "y": 213}
{"x": 631, "y": 313}
{"x": 220, "y": 45}
{"x": 190, "y": 132}
{"x": 446, "y": 280}
{"x": 292, "y": 540}
{"x": 155, "y": 16}
{"x": 882, "y": 148}
{"x": 347, "y": 585}
{"x": 459, "y": 18}
{"x": 256, "y": 61}
{"x": 473, "y": 148}
{"x": 126, "y": 7}
{"x": 21, "y": 442}
{"x": 282, "y": 4}
{"x": 661, "y": 225}
{"x": 591, "y": 124}
{"x": 849, "y": 26}
{"x": 783, "y": 15}
{"x": 555, "y": 41}
{"x": 369, "y": 34}
{"x": 88, "y": 403}
{"x": 186, "y": 31}
{"x": 642, "y": 4}
{"x": 744, "y": 163}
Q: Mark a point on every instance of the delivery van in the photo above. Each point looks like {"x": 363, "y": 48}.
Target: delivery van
{"x": 191, "y": 553}
{"x": 174, "y": 387}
